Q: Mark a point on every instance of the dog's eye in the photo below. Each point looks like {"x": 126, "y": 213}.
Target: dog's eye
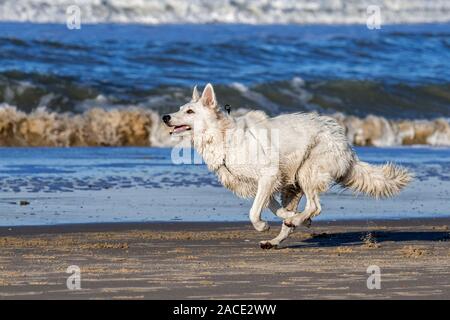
{"x": 190, "y": 111}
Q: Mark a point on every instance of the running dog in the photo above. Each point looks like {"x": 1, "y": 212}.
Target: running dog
{"x": 290, "y": 155}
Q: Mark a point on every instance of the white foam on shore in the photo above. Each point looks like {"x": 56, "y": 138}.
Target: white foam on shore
{"x": 227, "y": 11}
{"x": 134, "y": 126}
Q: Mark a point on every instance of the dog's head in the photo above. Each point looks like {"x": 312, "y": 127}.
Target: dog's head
{"x": 196, "y": 115}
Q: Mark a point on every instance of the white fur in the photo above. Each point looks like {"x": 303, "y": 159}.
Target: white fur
{"x": 290, "y": 155}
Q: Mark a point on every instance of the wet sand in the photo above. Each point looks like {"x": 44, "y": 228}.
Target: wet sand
{"x": 181, "y": 260}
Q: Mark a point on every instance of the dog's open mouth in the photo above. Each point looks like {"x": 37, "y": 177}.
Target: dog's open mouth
{"x": 179, "y": 129}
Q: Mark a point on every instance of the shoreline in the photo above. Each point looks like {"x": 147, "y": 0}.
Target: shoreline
{"x": 214, "y": 260}
{"x": 197, "y": 225}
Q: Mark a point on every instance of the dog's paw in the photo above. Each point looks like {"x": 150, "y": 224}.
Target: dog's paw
{"x": 266, "y": 245}
{"x": 261, "y": 226}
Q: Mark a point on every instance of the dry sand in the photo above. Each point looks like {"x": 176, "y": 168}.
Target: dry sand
{"x": 223, "y": 261}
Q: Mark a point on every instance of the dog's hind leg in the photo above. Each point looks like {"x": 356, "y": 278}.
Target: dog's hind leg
{"x": 290, "y": 198}
{"x": 289, "y": 210}
{"x": 314, "y": 179}
{"x": 312, "y": 209}
{"x": 286, "y": 230}
{"x": 284, "y": 233}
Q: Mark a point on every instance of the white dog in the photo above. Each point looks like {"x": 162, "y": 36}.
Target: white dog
{"x": 291, "y": 155}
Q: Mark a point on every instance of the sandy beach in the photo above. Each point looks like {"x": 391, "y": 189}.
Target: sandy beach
{"x": 219, "y": 260}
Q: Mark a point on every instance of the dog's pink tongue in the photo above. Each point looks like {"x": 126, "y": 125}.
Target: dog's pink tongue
{"x": 180, "y": 128}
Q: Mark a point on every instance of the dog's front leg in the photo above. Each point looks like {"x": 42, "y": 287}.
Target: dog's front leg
{"x": 265, "y": 189}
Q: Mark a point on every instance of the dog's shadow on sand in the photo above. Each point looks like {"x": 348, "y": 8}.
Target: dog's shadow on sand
{"x": 369, "y": 238}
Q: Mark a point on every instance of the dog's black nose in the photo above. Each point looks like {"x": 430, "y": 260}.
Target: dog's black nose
{"x": 166, "y": 118}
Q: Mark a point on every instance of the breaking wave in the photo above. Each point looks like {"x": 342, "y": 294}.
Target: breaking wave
{"x": 134, "y": 126}
{"x": 226, "y": 11}
{"x": 353, "y": 97}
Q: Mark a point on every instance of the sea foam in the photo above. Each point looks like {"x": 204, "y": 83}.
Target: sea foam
{"x": 226, "y": 11}
{"x": 134, "y": 126}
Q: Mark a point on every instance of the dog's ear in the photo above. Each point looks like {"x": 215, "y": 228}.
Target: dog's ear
{"x": 208, "y": 96}
{"x": 195, "y": 95}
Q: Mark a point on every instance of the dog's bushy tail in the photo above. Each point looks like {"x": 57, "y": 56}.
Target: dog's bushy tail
{"x": 377, "y": 181}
